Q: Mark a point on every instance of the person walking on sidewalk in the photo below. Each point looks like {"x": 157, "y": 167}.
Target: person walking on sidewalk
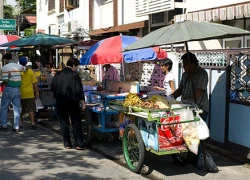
{"x": 68, "y": 92}
{"x": 11, "y": 74}
{"x": 29, "y": 90}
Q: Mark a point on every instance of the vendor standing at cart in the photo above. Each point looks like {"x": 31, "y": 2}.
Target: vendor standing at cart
{"x": 111, "y": 73}
{"x": 193, "y": 86}
{"x": 168, "y": 83}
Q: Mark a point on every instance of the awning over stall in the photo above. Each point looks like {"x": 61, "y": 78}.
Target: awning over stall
{"x": 236, "y": 11}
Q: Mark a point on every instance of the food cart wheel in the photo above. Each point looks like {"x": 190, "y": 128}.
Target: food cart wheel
{"x": 87, "y": 126}
{"x": 183, "y": 158}
{"x": 133, "y": 148}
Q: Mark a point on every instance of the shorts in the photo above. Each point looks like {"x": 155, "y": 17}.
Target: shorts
{"x": 28, "y": 105}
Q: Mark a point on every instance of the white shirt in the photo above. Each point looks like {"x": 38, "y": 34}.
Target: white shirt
{"x": 166, "y": 84}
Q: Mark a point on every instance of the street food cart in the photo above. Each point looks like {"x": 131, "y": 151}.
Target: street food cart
{"x": 148, "y": 126}
{"x": 97, "y": 106}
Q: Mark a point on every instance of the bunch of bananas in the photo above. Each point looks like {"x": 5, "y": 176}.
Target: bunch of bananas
{"x": 132, "y": 100}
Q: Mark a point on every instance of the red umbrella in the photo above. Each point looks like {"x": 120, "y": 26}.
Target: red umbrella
{"x": 8, "y": 38}
{"x": 109, "y": 50}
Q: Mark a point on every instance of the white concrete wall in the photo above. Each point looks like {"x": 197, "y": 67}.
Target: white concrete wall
{"x": 106, "y": 15}
{"x": 196, "y": 5}
{"x": 128, "y": 15}
{"x": 205, "y": 45}
{"x": 103, "y": 14}
{"x": 44, "y": 20}
{"x": 96, "y": 14}
{"x": 80, "y": 15}
{"x": 42, "y": 15}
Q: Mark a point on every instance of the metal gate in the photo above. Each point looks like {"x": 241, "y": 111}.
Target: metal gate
{"x": 229, "y": 95}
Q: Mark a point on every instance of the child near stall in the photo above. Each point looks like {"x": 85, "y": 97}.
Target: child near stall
{"x": 169, "y": 81}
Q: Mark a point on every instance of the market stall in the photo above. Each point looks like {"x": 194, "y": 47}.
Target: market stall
{"x": 108, "y": 51}
{"x": 159, "y": 126}
{"x": 97, "y": 104}
{"x": 41, "y": 41}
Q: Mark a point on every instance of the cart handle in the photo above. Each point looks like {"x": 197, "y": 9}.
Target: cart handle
{"x": 197, "y": 119}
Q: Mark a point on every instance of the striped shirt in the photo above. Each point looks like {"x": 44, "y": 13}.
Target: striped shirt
{"x": 11, "y": 73}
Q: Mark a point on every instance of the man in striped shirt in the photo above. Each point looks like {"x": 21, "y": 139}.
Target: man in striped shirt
{"x": 11, "y": 74}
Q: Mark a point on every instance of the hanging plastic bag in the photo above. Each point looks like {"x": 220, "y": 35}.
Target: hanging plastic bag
{"x": 190, "y": 135}
{"x": 203, "y": 131}
{"x": 39, "y": 104}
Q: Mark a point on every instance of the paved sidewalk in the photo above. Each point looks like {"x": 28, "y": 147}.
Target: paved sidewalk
{"x": 39, "y": 155}
{"x": 162, "y": 167}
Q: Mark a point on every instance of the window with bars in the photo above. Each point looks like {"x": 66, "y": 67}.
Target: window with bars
{"x": 52, "y": 5}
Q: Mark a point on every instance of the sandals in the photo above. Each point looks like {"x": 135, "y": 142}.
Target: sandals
{"x": 80, "y": 148}
{"x": 68, "y": 147}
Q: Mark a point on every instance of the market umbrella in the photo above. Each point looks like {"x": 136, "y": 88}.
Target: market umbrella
{"x": 186, "y": 31}
{"x": 108, "y": 51}
{"x": 8, "y": 38}
{"x": 78, "y": 43}
{"x": 38, "y": 40}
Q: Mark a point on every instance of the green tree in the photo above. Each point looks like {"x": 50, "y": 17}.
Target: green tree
{"x": 8, "y": 12}
{"x": 30, "y": 31}
{"x": 26, "y": 4}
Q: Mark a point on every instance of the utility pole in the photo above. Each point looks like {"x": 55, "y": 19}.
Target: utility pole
{"x": 18, "y": 18}
{"x": 1, "y": 14}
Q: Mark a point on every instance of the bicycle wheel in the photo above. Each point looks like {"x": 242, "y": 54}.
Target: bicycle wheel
{"x": 133, "y": 148}
{"x": 87, "y": 127}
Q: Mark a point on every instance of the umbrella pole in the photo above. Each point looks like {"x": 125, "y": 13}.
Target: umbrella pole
{"x": 186, "y": 45}
{"x": 123, "y": 73}
{"x": 187, "y": 51}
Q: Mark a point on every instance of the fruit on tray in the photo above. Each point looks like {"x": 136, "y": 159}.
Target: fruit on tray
{"x": 155, "y": 102}
{"x": 132, "y": 100}
{"x": 160, "y": 101}
{"x": 149, "y": 104}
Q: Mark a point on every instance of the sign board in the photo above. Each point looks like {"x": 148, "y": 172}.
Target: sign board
{"x": 8, "y": 24}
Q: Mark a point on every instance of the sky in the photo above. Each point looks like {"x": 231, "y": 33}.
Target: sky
{"x": 11, "y": 2}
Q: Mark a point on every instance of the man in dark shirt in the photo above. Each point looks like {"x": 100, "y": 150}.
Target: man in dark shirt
{"x": 68, "y": 92}
{"x": 193, "y": 87}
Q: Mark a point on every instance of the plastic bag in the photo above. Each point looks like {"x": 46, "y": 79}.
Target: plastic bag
{"x": 202, "y": 129}
{"x": 190, "y": 135}
{"x": 39, "y": 104}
